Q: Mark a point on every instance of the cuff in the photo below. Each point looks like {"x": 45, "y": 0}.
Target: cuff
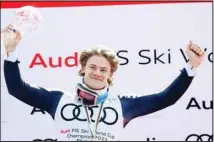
{"x": 12, "y": 56}
{"x": 191, "y": 71}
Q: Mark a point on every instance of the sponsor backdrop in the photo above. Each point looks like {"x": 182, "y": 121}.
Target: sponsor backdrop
{"x": 150, "y": 41}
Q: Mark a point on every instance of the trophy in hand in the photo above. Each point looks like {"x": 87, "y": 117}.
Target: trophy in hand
{"x": 27, "y": 20}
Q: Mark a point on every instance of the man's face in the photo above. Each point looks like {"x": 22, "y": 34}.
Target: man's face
{"x": 97, "y": 72}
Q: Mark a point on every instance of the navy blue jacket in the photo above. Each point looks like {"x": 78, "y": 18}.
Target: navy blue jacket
{"x": 47, "y": 100}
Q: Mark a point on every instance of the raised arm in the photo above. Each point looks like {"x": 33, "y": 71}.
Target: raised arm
{"x": 32, "y": 95}
{"x": 134, "y": 107}
{"x": 139, "y": 106}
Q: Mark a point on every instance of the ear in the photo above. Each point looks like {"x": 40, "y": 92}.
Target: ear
{"x": 82, "y": 69}
{"x": 111, "y": 75}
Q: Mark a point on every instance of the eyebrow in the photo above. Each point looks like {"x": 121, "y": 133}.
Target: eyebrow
{"x": 96, "y": 66}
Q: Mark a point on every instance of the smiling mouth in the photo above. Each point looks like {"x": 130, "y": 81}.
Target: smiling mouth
{"x": 96, "y": 79}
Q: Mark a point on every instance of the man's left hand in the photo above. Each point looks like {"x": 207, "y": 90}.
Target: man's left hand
{"x": 195, "y": 54}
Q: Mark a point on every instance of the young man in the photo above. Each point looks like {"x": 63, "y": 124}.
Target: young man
{"x": 92, "y": 112}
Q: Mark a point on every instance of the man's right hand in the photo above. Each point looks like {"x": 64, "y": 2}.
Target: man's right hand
{"x": 11, "y": 42}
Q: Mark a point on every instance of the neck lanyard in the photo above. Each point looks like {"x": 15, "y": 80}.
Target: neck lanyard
{"x": 93, "y": 129}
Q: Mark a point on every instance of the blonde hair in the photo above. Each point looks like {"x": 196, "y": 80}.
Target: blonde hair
{"x": 100, "y": 50}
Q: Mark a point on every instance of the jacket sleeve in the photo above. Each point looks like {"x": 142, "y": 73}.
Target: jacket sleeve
{"x": 32, "y": 95}
{"x": 139, "y": 106}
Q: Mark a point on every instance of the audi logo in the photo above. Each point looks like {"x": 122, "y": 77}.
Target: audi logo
{"x": 48, "y": 139}
{"x": 202, "y": 137}
{"x": 76, "y": 114}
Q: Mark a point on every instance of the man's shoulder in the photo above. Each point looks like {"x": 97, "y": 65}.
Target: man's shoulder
{"x": 59, "y": 91}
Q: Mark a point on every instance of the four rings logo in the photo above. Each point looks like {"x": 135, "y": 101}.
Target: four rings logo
{"x": 48, "y": 139}
{"x": 202, "y": 137}
{"x": 76, "y": 114}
